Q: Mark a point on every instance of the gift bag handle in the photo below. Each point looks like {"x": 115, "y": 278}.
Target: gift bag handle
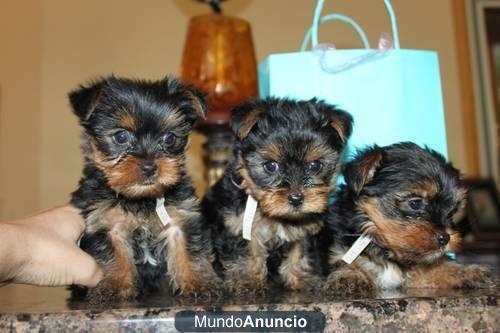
{"x": 342, "y": 18}
{"x": 317, "y": 15}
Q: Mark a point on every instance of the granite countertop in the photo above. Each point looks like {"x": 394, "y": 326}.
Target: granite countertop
{"x": 24, "y": 308}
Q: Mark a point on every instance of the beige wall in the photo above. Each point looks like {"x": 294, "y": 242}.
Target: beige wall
{"x": 20, "y": 82}
{"x": 53, "y": 45}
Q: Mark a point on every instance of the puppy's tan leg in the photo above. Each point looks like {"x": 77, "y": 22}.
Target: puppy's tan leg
{"x": 450, "y": 275}
{"x": 296, "y": 271}
{"x": 190, "y": 275}
{"x": 119, "y": 279}
{"x": 179, "y": 263}
{"x": 120, "y": 274}
{"x": 250, "y": 274}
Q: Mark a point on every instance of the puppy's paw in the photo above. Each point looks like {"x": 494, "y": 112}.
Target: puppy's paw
{"x": 319, "y": 284}
{"x": 349, "y": 283}
{"x": 108, "y": 291}
{"x": 313, "y": 283}
{"x": 307, "y": 282}
{"x": 246, "y": 284}
{"x": 478, "y": 277}
{"x": 200, "y": 281}
{"x": 205, "y": 287}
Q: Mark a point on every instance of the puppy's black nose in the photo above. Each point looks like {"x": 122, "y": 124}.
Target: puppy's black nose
{"x": 443, "y": 238}
{"x": 148, "y": 169}
{"x": 296, "y": 199}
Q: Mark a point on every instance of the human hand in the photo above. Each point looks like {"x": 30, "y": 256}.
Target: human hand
{"x": 42, "y": 250}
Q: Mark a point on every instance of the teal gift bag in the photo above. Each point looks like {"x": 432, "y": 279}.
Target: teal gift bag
{"x": 393, "y": 94}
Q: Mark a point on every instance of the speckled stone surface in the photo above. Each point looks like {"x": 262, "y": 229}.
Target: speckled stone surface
{"x": 416, "y": 311}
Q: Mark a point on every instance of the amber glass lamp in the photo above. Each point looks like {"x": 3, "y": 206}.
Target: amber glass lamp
{"x": 219, "y": 59}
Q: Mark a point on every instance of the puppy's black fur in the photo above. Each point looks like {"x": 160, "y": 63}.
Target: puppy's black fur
{"x": 407, "y": 199}
{"x": 135, "y": 135}
{"x": 286, "y": 156}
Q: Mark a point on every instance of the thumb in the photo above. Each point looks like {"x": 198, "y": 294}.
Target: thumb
{"x": 67, "y": 264}
{"x": 84, "y": 270}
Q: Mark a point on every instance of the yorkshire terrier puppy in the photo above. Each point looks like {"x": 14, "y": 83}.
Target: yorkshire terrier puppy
{"x": 407, "y": 200}
{"x": 286, "y": 157}
{"x": 143, "y": 224}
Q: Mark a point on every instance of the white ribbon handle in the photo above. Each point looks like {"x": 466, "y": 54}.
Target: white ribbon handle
{"x": 337, "y": 17}
{"x": 317, "y": 20}
{"x": 384, "y": 45}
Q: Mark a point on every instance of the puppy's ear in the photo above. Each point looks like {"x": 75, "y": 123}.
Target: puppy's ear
{"x": 198, "y": 100}
{"x": 85, "y": 99}
{"x": 244, "y": 118}
{"x": 183, "y": 91}
{"x": 362, "y": 169}
{"x": 341, "y": 122}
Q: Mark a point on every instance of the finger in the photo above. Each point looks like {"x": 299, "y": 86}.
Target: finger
{"x": 58, "y": 264}
{"x": 84, "y": 270}
{"x": 69, "y": 266}
{"x": 64, "y": 221}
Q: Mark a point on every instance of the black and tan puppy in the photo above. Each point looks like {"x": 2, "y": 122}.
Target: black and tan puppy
{"x": 407, "y": 199}
{"x": 135, "y": 135}
{"x": 286, "y": 157}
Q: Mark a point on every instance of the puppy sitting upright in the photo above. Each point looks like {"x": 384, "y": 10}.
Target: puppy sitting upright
{"x": 142, "y": 218}
{"x": 286, "y": 158}
{"x": 406, "y": 199}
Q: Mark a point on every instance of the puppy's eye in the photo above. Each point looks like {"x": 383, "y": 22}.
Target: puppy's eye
{"x": 416, "y": 203}
{"x": 169, "y": 139}
{"x": 271, "y": 166}
{"x": 121, "y": 137}
{"x": 314, "y": 166}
